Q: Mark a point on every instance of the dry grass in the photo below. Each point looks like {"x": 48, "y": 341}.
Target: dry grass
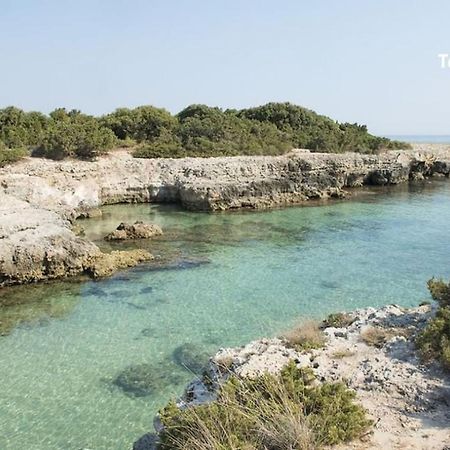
{"x": 377, "y": 336}
{"x": 338, "y": 320}
{"x": 344, "y": 353}
{"x": 306, "y": 336}
{"x": 285, "y": 412}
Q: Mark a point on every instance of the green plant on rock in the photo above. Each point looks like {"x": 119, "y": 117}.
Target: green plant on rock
{"x": 277, "y": 412}
{"x": 306, "y": 336}
{"x": 440, "y": 291}
{"x": 434, "y": 341}
{"x": 338, "y": 320}
{"x": 10, "y": 155}
{"x": 76, "y": 135}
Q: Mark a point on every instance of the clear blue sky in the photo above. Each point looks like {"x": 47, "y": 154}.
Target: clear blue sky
{"x": 373, "y": 62}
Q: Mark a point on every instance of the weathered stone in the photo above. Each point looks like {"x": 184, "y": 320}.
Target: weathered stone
{"x": 105, "y": 264}
{"x": 39, "y": 198}
{"x": 137, "y": 230}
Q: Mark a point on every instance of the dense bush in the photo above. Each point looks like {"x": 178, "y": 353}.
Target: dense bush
{"x": 21, "y": 129}
{"x": 272, "y": 412}
{"x": 308, "y": 129}
{"x": 144, "y": 123}
{"x": 10, "y": 155}
{"x": 440, "y": 291}
{"x": 74, "y": 134}
{"x": 434, "y": 341}
{"x": 198, "y": 130}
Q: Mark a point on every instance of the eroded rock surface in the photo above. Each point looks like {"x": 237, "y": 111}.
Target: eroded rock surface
{"x": 137, "y": 230}
{"x": 39, "y": 198}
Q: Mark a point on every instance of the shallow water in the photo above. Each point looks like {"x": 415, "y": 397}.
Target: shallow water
{"x": 220, "y": 280}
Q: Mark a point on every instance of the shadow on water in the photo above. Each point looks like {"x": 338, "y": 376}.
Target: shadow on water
{"x": 35, "y": 305}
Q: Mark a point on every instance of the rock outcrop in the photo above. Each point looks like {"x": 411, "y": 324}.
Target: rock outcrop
{"x": 39, "y": 198}
{"x": 407, "y": 401}
{"x": 137, "y": 230}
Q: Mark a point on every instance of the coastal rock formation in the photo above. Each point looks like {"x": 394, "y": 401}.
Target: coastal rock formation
{"x": 105, "y": 264}
{"x": 40, "y": 198}
{"x": 407, "y": 401}
{"x": 137, "y": 230}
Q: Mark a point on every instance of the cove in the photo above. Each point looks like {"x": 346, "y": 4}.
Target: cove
{"x": 218, "y": 280}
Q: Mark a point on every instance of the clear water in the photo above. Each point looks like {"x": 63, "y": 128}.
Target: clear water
{"x": 221, "y": 280}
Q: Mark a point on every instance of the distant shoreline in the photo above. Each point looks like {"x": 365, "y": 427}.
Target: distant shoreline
{"x": 420, "y": 138}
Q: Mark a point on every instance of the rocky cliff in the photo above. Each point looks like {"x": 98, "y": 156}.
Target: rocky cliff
{"x": 39, "y": 198}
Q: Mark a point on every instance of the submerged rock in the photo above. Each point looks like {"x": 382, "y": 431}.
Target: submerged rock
{"x": 107, "y": 263}
{"x": 137, "y": 230}
{"x": 191, "y": 357}
{"x": 146, "y": 290}
{"x": 144, "y": 379}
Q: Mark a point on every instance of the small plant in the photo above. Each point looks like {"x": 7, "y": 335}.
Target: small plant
{"x": 10, "y": 155}
{"x": 338, "y": 320}
{"x": 344, "y": 353}
{"x": 287, "y": 411}
{"x": 377, "y": 336}
{"x": 307, "y": 336}
{"x": 434, "y": 341}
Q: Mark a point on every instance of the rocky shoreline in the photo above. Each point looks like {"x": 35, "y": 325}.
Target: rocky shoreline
{"x": 39, "y": 199}
{"x": 408, "y": 402}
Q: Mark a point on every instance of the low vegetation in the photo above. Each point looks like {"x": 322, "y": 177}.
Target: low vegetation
{"x": 285, "y": 412}
{"x": 10, "y": 155}
{"x": 434, "y": 341}
{"x": 376, "y": 336}
{"x": 338, "y": 320}
{"x": 197, "y": 130}
{"x": 306, "y": 336}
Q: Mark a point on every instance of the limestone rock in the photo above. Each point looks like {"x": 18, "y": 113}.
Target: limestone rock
{"x": 137, "y": 230}
{"x": 105, "y": 264}
{"x": 40, "y": 198}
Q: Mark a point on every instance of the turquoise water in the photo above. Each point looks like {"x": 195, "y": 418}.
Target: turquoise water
{"x": 218, "y": 280}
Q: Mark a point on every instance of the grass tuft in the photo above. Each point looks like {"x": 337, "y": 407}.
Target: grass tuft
{"x": 285, "y": 412}
{"x": 306, "y": 336}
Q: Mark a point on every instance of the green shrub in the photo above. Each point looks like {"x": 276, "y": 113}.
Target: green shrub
{"x": 144, "y": 123}
{"x": 19, "y": 129}
{"x": 281, "y": 412}
{"x": 10, "y": 155}
{"x": 76, "y": 135}
{"x": 308, "y": 129}
{"x": 338, "y": 320}
{"x": 164, "y": 146}
{"x": 205, "y": 131}
{"x": 434, "y": 341}
{"x": 440, "y": 291}
{"x": 198, "y": 130}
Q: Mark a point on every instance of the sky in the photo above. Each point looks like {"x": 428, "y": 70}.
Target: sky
{"x": 373, "y": 62}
